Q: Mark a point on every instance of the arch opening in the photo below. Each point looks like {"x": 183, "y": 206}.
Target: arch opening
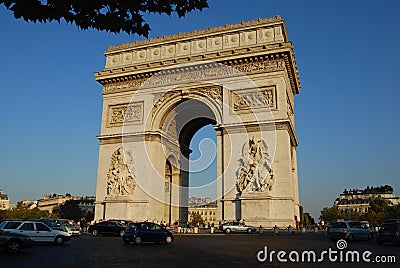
{"x": 197, "y": 158}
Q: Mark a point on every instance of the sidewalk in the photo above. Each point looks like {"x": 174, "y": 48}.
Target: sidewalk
{"x": 267, "y": 232}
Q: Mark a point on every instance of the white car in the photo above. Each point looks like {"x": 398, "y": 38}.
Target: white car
{"x": 235, "y": 226}
{"x": 38, "y": 231}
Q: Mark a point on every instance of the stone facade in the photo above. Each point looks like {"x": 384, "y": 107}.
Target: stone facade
{"x": 4, "y": 201}
{"x": 356, "y": 200}
{"x": 208, "y": 212}
{"x": 157, "y": 93}
{"x": 50, "y": 202}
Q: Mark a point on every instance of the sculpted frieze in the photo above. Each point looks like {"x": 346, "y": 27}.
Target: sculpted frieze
{"x": 214, "y": 92}
{"x": 125, "y": 113}
{"x": 258, "y": 98}
{"x": 197, "y": 73}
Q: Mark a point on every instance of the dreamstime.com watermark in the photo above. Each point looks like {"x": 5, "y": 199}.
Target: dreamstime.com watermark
{"x": 331, "y": 255}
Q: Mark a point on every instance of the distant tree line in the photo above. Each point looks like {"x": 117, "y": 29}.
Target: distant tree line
{"x": 69, "y": 210}
{"x": 383, "y": 189}
{"x": 378, "y": 211}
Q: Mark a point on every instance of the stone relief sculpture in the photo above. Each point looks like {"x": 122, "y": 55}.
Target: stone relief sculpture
{"x": 255, "y": 172}
{"x": 120, "y": 181}
{"x": 125, "y": 113}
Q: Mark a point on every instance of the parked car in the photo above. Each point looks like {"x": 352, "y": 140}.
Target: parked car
{"x": 389, "y": 232}
{"x": 10, "y": 224}
{"x": 11, "y": 242}
{"x": 38, "y": 231}
{"x": 53, "y": 225}
{"x": 109, "y": 227}
{"x": 397, "y": 221}
{"x": 350, "y": 230}
{"x": 235, "y": 226}
{"x": 64, "y": 225}
{"x": 147, "y": 232}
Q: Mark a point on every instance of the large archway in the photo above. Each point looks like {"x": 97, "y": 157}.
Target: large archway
{"x": 158, "y": 93}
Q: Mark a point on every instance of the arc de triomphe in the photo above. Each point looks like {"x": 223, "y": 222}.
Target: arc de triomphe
{"x": 159, "y": 92}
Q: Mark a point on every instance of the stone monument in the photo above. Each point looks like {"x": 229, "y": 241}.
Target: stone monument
{"x": 158, "y": 93}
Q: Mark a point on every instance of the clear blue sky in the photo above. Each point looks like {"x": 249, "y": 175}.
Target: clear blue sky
{"x": 346, "y": 113}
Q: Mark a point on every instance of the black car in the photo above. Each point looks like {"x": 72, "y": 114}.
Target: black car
{"x": 11, "y": 242}
{"x": 146, "y": 232}
{"x": 389, "y": 232}
{"x": 110, "y": 227}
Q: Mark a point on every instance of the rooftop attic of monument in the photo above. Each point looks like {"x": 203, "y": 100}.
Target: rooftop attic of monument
{"x": 261, "y": 40}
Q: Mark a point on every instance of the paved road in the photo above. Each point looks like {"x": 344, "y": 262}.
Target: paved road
{"x": 218, "y": 250}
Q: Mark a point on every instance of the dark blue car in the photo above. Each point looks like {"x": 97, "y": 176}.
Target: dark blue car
{"x": 146, "y": 232}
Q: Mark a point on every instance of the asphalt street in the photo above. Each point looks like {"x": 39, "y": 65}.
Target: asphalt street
{"x": 204, "y": 250}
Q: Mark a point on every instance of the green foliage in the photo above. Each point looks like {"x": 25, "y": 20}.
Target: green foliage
{"x": 378, "y": 212}
{"x": 24, "y": 214}
{"x": 196, "y": 219}
{"x": 379, "y": 205}
{"x": 331, "y": 214}
{"x": 2, "y": 214}
{"x": 70, "y": 210}
{"x": 371, "y": 190}
{"x": 393, "y": 212}
{"x": 108, "y": 15}
{"x": 306, "y": 219}
{"x": 88, "y": 215}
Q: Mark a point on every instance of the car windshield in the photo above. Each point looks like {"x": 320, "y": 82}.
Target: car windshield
{"x": 51, "y": 224}
{"x": 355, "y": 225}
{"x": 12, "y": 225}
{"x": 339, "y": 225}
{"x": 130, "y": 227}
{"x": 388, "y": 227}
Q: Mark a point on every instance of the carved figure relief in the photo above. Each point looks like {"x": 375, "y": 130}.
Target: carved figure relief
{"x": 214, "y": 92}
{"x": 125, "y": 113}
{"x": 290, "y": 112}
{"x": 255, "y": 172}
{"x": 120, "y": 181}
{"x": 254, "y": 99}
{"x": 204, "y": 71}
{"x": 171, "y": 129}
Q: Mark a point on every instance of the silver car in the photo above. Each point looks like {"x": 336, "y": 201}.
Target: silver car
{"x": 350, "y": 230}
{"x": 38, "y": 231}
{"x": 235, "y": 226}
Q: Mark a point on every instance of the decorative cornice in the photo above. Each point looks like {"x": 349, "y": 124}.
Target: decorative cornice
{"x": 246, "y": 53}
{"x": 224, "y": 129}
{"x": 196, "y": 33}
{"x": 250, "y": 65}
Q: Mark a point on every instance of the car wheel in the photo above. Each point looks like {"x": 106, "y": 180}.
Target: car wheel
{"x": 370, "y": 236}
{"x": 138, "y": 240}
{"x": 59, "y": 240}
{"x": 95, "y": 233}
{"x": 249, "y": 231}
{"x": 168, "y": 239}
{"x": 13, "y": 245}
{"x": 127, "y": 242}
{"x": 227, "y": 230}
{"x": 121, "y": 233}
{"x": 350, "y": 238}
